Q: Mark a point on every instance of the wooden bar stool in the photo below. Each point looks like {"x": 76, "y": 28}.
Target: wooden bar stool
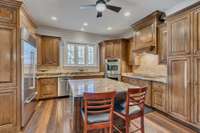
{"x": 98, "y": 111}
{"x": 132, "y": 108}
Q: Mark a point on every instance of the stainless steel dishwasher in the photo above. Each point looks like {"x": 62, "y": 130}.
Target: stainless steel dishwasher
{"x": 63, "y": 86}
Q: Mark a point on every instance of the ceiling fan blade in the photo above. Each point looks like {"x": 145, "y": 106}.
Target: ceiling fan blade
{"x": 113, "y": 8}
{"x": 88, "y": 6}
{"x": 99, "y": 14}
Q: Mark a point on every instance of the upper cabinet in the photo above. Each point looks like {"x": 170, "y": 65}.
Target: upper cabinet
{"x": 49, "y": 51}
{"x": 179, "y": 34}
{"x": 162, "y": 43}
{"x": 131, "y": 48}
{"x": 115, "y": 48}
{"x": 145, "y": 32}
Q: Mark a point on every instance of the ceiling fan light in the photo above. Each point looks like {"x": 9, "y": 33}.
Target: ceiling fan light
{"x": 100, "y": 7}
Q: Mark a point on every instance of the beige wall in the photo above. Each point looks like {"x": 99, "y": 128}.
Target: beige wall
{"x": 149, "y": 64}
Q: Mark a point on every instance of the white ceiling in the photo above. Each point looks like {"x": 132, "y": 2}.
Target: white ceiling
{"x": 71, "y": 17}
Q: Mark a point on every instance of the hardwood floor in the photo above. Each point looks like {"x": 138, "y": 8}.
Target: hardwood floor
{"x": 53, "y": 116}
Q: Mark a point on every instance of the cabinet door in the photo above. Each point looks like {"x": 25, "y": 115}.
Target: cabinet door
{"x": 109, "y": 49}
{"x": 197, "y": 32}
{"x": 117, "y": 49}
{"x": 162, "y": 43}
{"x": 7, "y": 111}
{"x": 47, "y": 87}
{"x": 197, "y": 90}
{"x": 131, "y": 47}
{"x": 102, "y": 56}
{"x": 50, "y": 51}
{"x": 159, "y": 96}
{"x": 7, "y": 56}
{"x": 180, "y": 87}
{"x": 145, "y": 37}
{"x": 179, "y": 31}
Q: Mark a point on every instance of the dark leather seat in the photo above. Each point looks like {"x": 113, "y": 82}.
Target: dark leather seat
{"x": 121, "y": 108}
{"x": 104, "y": 117}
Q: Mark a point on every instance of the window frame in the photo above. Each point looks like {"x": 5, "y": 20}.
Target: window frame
{"x": 86, "y": 45}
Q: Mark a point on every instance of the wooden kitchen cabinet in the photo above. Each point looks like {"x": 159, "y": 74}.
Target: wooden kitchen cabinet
{"x": 180, "y": 87}
{"x": 145, "y": 32}
{"x": 102, "y": 56}
{"x": 196, "y": 99}
{"x": 117, "y": 49}
{"x": 131, "y": 48}
{"x": 10, "y": 61}
{"x": 109, "y": 49}
{"x": 196, "y": 17}
{"x": 141, "y": 83}
{"x": 179, "y": 34}
{"x": 49, "y": 51}
{"x": 162, "y": 43}
{"x": 159, "y": 96}
{"x": 47, "y": 87}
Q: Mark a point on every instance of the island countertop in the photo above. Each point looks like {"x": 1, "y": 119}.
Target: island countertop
{"x": 78, "y": 87}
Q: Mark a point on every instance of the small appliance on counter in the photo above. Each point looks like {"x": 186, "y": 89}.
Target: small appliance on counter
{"x": 113, "y": 69}
{"x": 28, "y": 76}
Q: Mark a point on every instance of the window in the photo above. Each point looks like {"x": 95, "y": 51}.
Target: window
{"x": 80, "y": 54}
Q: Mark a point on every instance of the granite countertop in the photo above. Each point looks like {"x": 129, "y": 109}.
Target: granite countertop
{"x": 157, "y": 78}
{"x": 72, "y": 74}
{"x": 99, "y": 85}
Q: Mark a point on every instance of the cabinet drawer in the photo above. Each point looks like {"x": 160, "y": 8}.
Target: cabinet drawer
{"x": 47, "y": 88}
{"x": 7, "y": 15}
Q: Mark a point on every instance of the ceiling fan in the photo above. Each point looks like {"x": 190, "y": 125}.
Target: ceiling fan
{"x": 101, "y": 6}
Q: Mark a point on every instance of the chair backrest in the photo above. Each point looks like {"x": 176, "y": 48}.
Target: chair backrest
{"x": 135, "y": 96}
{"x": 98, "y": 103}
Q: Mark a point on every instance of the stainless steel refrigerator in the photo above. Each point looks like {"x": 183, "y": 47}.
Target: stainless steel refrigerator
{"x": 29, "y": 63}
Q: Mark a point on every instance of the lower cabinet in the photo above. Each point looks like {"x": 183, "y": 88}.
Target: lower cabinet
{"x": 142, "y": 83}
{"x": 180, "y": 87}
{"x": 47, "y": 87}
{"x": 8, "y": 111}
{"x": 159, "y": 96}
{"x": 157, "y": 92}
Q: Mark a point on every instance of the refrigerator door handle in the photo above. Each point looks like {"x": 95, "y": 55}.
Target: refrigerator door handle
{"x": 30, "y": 99}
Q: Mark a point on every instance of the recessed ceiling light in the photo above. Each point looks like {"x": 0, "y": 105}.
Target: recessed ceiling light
{"x": 109, "y": 28}
{"x": 82, "y": 29}
{"x": 54, "y": 18}
{"x": 85, "y": 24}
{"x": 127, "y": 14}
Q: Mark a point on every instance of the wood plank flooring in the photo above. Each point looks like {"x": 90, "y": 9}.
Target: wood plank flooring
{"x": 53, "y": 116}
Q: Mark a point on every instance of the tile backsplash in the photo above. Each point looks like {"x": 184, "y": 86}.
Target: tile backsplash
{"x": 149, "y": 64}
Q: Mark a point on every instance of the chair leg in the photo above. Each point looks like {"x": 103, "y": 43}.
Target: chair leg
{"x": 127, "y": 126}
{"x": 142, "y": 124}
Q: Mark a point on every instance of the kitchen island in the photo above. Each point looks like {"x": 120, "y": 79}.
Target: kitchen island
{"x": 78, "y": 87}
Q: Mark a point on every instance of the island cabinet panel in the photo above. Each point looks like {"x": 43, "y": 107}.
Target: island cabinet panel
{"x": 8, "y": 111}
{"x": 50, "y": 50}
{"x": 7, "y": 56}
{"x": 197, "y": 31}
{"x": 180, "y": 87}
{"x": 159, "y": 96}
{"x": 47, "y": 87}
{"x": 162, "y": 43}
{"x": 197, "y": 91}
{"x": 179, "y": 35}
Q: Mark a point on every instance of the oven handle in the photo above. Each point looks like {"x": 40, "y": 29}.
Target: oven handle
{"x": 29, "y": 99}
